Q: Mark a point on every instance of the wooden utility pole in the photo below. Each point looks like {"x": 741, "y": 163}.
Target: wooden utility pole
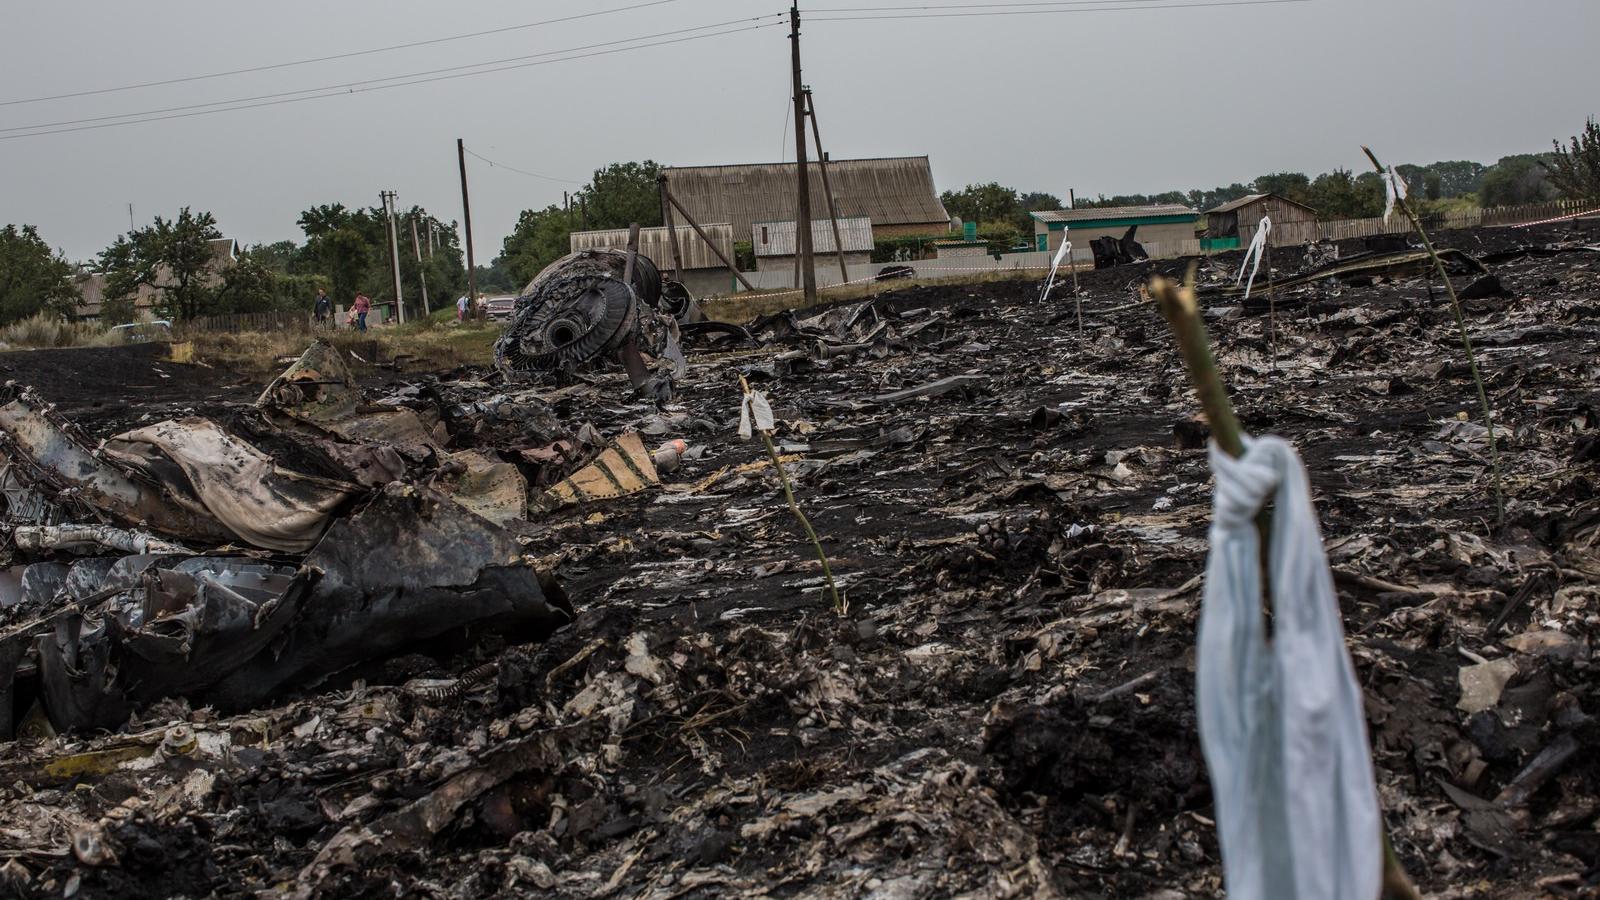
{"x": 388, "y": 198}
{"x": 466, "y": 219}
{"x": 566, "y": 202}
{"x": 422, "y": 275}
{"x": 707, "y": 238}
{"x": 802, "y": 224}
{"x": 672, "y": 229}
{"x": 827, "y": 186}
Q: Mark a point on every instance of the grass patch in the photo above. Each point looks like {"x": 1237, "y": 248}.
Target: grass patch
{"x": 43, "y": 330}
{"x": 417, "y": 346}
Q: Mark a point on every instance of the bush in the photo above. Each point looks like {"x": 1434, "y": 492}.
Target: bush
{"x": 49, "y": 330}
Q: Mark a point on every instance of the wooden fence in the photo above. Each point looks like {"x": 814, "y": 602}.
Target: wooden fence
{"x": 1297, "y": 233}
{"x": 283, "y": 320}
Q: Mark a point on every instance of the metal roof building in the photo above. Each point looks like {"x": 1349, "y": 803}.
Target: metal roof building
{"x": 897, "y": 194}
{"x": 703, "y": 273}
{"x": 778, "y": 238}
{"x": 774, "y": 242}
{"x": 1160, "y": 223}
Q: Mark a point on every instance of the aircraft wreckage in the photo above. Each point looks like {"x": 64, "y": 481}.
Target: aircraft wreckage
{"x": 598, "y": 306}
{"x": 181, "y": 559}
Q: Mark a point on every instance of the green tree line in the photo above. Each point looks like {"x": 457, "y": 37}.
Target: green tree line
{"x": 345, "y": 251}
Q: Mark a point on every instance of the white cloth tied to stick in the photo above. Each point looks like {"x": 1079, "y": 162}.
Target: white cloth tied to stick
{"x": 1055, "y": 266}
{"x": 754, "y": 406}
{"x": 1281, "y": 723}
{"x": 1252, "y": 256}
{"x": 1394, "y": 189}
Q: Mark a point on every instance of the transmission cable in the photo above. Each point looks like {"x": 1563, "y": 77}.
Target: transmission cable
{"x": 1036, "y": 12}
{"x": 320, "y": 59}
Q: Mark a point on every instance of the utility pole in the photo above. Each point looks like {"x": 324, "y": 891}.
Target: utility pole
{"x": 389, "y": 198}
{"x": 422, "y": 276}
{"x": 827, "y": 186}
{"x": 130, "y": 218}
{"x": 802, "y": 224}
{"x": 672, "y": 228}
{"x": 466, "y": 218}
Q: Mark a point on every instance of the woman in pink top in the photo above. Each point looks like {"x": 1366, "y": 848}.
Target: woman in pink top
{"x": 362, "y": 306}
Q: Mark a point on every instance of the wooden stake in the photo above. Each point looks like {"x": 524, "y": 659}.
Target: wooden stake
{"x": 840, "y": 605}
{"x": 466, "y": 220}
{"x": 709, "y": 242}
{"x": 672, "y": 229}
{"x": 827, "y": 187}
{"x": 1466, "y": 343}
{"x": 802, "y": 225}
{"x": 1182, "y": 312}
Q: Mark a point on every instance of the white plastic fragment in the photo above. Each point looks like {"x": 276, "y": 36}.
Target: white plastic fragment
{"x": 1281, "y": 724}
{"x": 755, "y": 406}
{"x": 1394, "y": 189}
{"x": 1055, "y": 266}
{"x": 1252, "y": 256}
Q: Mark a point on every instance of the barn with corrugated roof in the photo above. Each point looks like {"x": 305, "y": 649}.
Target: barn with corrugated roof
{"x": 703, "y": 273}
{"x": 897, "y": 194}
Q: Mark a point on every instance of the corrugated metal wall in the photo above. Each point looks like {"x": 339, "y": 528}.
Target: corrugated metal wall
{"x": 654, "y": 243}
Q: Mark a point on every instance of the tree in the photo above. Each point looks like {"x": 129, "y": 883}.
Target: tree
{"x": 1575, "y": 169}
{"x": 990, "y": 202}
{"x": 1514, "y": 180}
{"x": 615, "y": 197}
{"x": 1458, "y": 177}
{"x": 33, "y": 279}
{"x": 621, "y": 194}
{"x": 171, "y": 255}
{"x": 341, "y": 243}
{"x": 1294, "y": 186}
{"x": 1341, "y": 195}
{"x": 1036, "y": 201}
{"x": 540, "y": 238}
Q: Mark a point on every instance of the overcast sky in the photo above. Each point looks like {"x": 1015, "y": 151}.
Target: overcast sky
{"x": 1134, "y": 100}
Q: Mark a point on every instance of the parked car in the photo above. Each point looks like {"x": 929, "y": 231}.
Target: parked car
{"x": 139, "y": 332}
{"x": 499, "y": 307}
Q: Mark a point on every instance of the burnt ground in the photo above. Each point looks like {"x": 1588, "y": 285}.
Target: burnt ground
{"x": 1007, "y": 710}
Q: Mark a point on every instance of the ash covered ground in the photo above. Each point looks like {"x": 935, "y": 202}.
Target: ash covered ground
{"x": 1007, "y": 709}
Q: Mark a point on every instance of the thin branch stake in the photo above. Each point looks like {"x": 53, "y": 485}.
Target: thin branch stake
{"x": 1466, "y": 342}
{"x": 840, "y": 605}
{"x": 1182, "y": 311}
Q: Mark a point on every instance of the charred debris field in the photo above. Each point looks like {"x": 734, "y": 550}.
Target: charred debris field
{"x": 371, "y": 652}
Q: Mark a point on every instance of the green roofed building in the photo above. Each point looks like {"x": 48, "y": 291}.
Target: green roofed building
{"x": 1158, "y": 224}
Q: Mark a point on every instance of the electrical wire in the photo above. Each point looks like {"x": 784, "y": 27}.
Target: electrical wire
{"x": 336, "y": 56}
{"x": 921, "y": 6}
{"x": 345, "y": 87}
{"x": 341, "y": 92}
{"x": 499, "y": 165}
{"x": 1036, "y": 12}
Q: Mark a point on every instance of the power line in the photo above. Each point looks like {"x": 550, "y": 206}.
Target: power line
{"x": 341, "y": 91}
{"x": 346, "y": 86}
{"x": 497, "y": 165}
{"x": 920, "y": 6}
{"x": 320, "y": 59}
{"x": 1035, "y": 12}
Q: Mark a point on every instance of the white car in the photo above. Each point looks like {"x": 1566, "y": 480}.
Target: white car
{"x": 138, "y": 332}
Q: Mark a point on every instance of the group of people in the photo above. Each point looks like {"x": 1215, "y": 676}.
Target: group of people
{"x": 322, "y": 308}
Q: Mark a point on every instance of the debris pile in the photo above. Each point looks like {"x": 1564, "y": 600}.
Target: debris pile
{"x": 1017, "y": 513}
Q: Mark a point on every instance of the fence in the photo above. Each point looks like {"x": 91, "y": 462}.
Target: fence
{"x": 1287, "y": 234}
{"x": 282, "y": 320}
{"x": 1296, "y": 233}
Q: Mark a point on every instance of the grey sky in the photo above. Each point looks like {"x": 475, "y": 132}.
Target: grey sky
{"x": 1183, "y": 98}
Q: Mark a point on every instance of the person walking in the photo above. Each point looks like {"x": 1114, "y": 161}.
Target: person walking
{"x": 461, "y": 308}
{"x": 361, "y": 307}
{"x": 322, "y": 308}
